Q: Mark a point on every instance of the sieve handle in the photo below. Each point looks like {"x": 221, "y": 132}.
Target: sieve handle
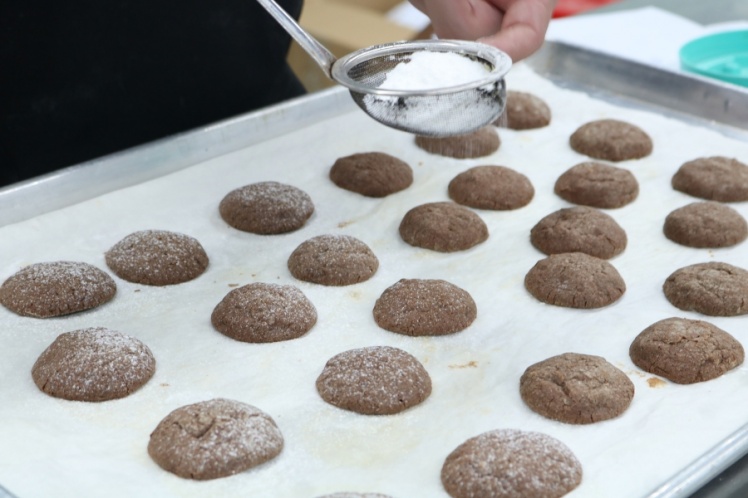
{"x": 315, "y": 49}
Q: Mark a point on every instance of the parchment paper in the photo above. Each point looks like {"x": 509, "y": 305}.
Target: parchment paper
{"x": 52, "y": 447}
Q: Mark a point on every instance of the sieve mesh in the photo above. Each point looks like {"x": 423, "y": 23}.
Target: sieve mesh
{"x": 437, "y": 112}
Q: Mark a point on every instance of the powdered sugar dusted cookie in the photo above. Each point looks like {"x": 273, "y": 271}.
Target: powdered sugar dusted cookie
{"x": 93, "y": 364}
{"x": 511, "y": 463}
{"x": 157, "y": 257}
{"x": 45, "y": 290}
{"x": 215, "y": 438}
{"x": 378, "y": 380}
{"x": 333, "y": 260}
{"x": 266, "y": 208}
{"x": 419, "y": 307}
{"x": 262, "y": 312}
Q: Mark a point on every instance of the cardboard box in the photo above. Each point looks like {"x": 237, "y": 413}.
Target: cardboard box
{"x": 344, "y": 26}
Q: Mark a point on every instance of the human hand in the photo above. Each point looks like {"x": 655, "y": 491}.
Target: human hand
{"x": 515, "y": 26}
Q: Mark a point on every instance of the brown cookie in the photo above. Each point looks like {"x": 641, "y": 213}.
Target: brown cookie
{"x": 579, "y": 229}
{"x": 597, "y": 185}
{"x": 215, "y": 438}
{"x": 45, "y": 290}
{"x": 443, "y": 227}
{"x": 714, "y": 178}
{"x": 373, "y": 174}
{"x": 511, "y": 463}
{"x": 157, "y": 257}
{"x": 333, "y": 260}
{"x": 378, "y": 380}
{"x": 611, "y": 140}
{"x": 491, "y": 187}
{"x": 525, "y": 111}
{"x": 93, "y": 364}
{"x": 575, "y": 280}
{"x": 418, "y": 307}
{"x": 480, "y": 143}
{"x": 714, "y": 289}
{"x": 266, "y": 208}
{"x": 686, "y": 351}
{"x": 576, "y": 389}
{"x": 706, "y": 224}
{"x": 262, "y": 312}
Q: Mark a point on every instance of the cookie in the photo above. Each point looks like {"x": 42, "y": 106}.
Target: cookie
{"x": 525, "y": 111}
{"x": 491, "y": 187}
{"x": 579, "y": 229}
{"x": 157, "y": 257}
{"x": 45, "y": 290}
{"x": 714, "y": 289}
{"x": 705, "y": 224}
{"x": 334, "y": 260}
{"x": 93, "y": 364}
{"x": 611, "y": 140}
{"x": 373, "y": 174}
{"x": 686, "y": 351}
{"x": 597, "y": 185}
{"x": 420, "y": 307}
{"x": 511, "y": 463}
{"x": 715, "y": 178}
{"x": 378, "y": 380}
{"x": 480, "y": 143}
{"x": 443, "y": 227}
{"x": 266, "y": 208}
{"x": 576, "y": 389}
{"x": 215, "y": 438}
{"x": 575, "y": 280}
{"x": 261, "y": 312}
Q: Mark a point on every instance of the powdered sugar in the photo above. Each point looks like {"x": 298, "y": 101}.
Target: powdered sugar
{"x": 427, "y": 70}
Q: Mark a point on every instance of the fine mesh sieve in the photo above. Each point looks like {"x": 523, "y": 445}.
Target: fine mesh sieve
{"x": 433, "y": 112}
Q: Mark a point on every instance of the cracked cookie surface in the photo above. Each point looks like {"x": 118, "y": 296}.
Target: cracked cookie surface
{"x": 686, "y": 351}
{"x": 576, "y": 388}
{"x": 214, "y": 438}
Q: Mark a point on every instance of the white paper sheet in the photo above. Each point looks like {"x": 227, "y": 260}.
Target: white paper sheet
{"x": 649, "y": 35}
{"x": 52, "y": 447}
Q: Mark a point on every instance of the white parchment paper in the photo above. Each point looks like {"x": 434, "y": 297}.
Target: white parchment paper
{"x": 52, "y": 447}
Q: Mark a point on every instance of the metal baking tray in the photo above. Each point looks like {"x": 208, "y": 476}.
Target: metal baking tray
{"x": 695, "y": 100}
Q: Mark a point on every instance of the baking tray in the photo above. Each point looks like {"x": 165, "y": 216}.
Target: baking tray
{"x": 155, "y": 182}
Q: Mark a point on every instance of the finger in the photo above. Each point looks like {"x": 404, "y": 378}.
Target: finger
{"x": 461, "y": 19}
{"x": 523, "y": 28}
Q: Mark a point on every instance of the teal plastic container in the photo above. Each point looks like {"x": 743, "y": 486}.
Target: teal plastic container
{"x": 723, "y": 56}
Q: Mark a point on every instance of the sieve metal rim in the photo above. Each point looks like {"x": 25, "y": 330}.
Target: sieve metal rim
{"x": 500, "y": 63}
